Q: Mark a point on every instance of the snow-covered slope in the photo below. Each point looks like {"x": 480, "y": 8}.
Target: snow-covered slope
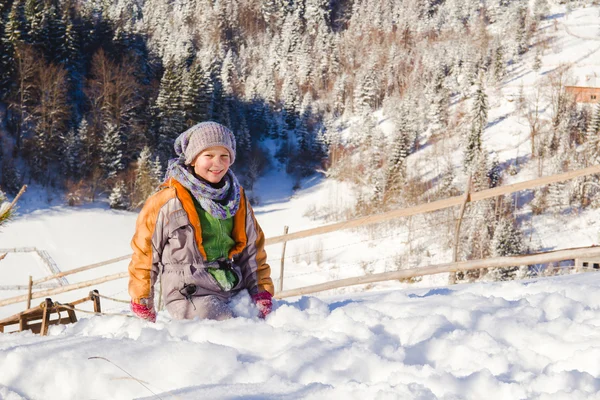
{"x": 537, "y": 339}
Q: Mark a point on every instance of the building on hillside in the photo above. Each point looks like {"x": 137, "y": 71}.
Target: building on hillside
{"x": 589, "y": 92}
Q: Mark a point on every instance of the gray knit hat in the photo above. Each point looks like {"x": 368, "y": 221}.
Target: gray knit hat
{"x": 202, "y": 136}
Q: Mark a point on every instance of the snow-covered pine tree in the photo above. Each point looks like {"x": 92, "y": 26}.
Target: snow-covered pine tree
{"x": 593, "y": 129}
{"x": 198, "y": 94}
{"x": 537, "y": 60}
{"x": 365, "y": 91}
{"x": 395, "y": 175}
{"x": 499, "y": 63}
{"x": 520, "y": 26}
{"x": 13, "y": 33}
{"x": 118, "y": 198}
{"x": 146, "y": 181}
{"x": 479, "y": 115}
{"x": 157, "y": 170}
{"x": 495, "y": 173}
{"x": 291, "y": 102}
{"x": 439, "y": 100}
{"x": 447, "y": 186}
{"x": 111, "y": 152}
{"x": 316, "y": 14}
{"x": 228, "y": 74}
{"x": 170, "y": 113}
{"x": 36, "y": 15}
{"x": 507, "y": 241}
{"x": 71, "y": 150}
{"x": 89, "y": 147}
{"x": 243, "y": 139}
{"x": 10, "y": 179}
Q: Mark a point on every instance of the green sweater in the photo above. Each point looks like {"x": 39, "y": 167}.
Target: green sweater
{"x": 216, "y": 234}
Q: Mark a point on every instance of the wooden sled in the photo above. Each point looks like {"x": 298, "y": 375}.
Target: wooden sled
{"x": 38, "y": 319}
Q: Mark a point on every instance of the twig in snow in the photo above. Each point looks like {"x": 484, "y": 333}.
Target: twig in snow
{"x": 133, "y": 377}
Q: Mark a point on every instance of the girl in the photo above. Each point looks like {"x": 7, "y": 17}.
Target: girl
{"x": 199, "y": 234}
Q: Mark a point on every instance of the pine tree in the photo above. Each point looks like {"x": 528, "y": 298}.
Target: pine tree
{"x": 439, "y": 101}
{"x": 198, "y": 95}
{"x": 10, "y": 179}
{"x": 495, "y": 173}
{"x": 88, "y": 148}
{"x": 10, "y": 39}
{"x": 522, "y": 36}
{"x": 243, "y": 139}
{"x": 365, "y": 91}
{"x": 157, "y": 170}
{"x": 537, "y": 61}
{"x": 316, "y": 14}
{"x": 111, "y": 153}
{"x": 71, "y": 154}
{"x": 557, "y": 197}
{"x": 70, "y": 45}
{"x": 36, "y": 17}
{"x": 592, "y": 136}
{"x": 57, "y": 32}
{"x": 594, "y": 125}
{"x": 479, "y": 115}
{"x": 499, "y": 64}
{"x": 118, "y": 196}
{"x": 395, "y": 175}
{"x": 146, "y": 181}
{"x": 170, "y": 113}
{"x": 507, "y": 241}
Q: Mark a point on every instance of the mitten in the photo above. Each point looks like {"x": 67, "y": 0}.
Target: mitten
{"x": 144, "y": 312}
{"x": 263, "y": 303}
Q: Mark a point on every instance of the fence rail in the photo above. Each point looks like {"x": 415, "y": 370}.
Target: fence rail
{"x": 46, "y": 259}
{"x": 539, "y": 258}
{"x": 434, "y": 206}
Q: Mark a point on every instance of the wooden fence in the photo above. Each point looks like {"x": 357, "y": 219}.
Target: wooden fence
{"x": 497, "y": 262}
{"x": 373, "y": 219}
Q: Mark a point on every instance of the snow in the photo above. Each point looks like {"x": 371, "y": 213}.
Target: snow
{"x": 533, "y": 339}
{"x": 517, "y": 340}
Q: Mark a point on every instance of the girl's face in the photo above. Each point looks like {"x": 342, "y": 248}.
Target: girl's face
{"x": 212, "y": 164}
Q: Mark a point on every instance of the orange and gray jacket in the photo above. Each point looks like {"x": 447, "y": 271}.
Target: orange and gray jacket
{"x": 168, "y": 241}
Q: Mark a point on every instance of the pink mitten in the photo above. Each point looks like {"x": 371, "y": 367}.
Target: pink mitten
{"x": 144, "y": 312}
{"x": 263, "y": 303}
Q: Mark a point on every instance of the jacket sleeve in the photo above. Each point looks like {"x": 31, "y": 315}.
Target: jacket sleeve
{"x": 253, "y": 259}
{"x": 147, "y": 250}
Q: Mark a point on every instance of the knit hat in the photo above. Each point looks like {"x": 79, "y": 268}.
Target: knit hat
{"x": 202, "y": 136}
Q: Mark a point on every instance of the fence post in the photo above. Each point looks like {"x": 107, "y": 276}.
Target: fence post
{"x": 466, "y": 199}
{"x": 285, "y": 231}
{"x": 30, "y": 287}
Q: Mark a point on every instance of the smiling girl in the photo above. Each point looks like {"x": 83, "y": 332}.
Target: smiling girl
{"x": 199, "y": 235}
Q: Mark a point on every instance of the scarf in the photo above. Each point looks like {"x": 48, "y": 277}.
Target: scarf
{"x": 222, "y": 202}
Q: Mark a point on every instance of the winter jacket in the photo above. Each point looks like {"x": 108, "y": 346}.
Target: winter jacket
{"x": 168, "y": 241}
